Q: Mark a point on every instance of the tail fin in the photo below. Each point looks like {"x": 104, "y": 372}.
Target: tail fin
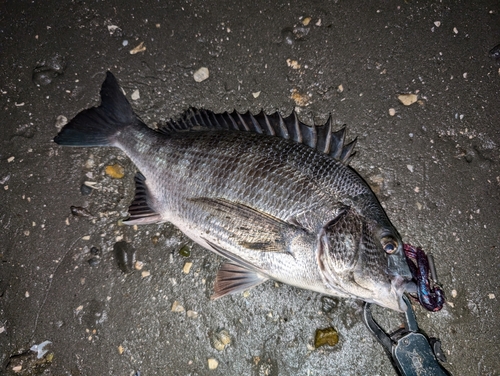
{"x": 96, "y": 126}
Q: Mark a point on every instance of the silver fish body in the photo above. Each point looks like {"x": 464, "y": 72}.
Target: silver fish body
{"x": 276, "y": 208}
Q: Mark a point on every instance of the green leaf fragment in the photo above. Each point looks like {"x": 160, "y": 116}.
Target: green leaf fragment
{"x": 328, "y": 336}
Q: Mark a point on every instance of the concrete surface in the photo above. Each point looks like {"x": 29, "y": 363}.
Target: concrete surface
{"x": 434, "y": 164}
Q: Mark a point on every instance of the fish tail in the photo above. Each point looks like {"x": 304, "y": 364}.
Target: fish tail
{"x": 97, "y": 126}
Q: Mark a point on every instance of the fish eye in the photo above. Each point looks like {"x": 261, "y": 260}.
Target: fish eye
{"x": 389, "y": 244}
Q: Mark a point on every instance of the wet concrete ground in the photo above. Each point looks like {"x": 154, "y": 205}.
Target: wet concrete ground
{"x": 434, "y": 165}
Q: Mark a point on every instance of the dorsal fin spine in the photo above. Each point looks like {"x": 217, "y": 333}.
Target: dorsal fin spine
{"x": 319, "y": 137}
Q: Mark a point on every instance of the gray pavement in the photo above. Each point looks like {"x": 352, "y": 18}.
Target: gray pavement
{"x": 434, "y": 165}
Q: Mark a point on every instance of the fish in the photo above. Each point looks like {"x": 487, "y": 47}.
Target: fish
{"x": 275, "y": 197}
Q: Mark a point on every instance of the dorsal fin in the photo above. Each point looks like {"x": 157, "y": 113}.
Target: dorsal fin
{"x": 319, "y": 137}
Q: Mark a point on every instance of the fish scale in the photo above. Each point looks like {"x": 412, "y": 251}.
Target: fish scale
{"x": 273, "y": 196}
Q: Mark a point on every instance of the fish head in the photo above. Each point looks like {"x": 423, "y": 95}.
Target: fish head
{"x": 360, "y": 258}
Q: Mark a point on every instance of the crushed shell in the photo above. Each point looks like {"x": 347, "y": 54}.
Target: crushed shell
{"x": 115, "y": 171}
{"x": 221, "y": 339}
{"x": 327, "y": 336}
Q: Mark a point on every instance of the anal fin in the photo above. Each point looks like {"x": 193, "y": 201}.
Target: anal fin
{"x": 233, "y": 278}
{"x": 140, "y": 213}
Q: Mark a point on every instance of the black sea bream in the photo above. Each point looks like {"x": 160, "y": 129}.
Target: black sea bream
{"x": 273, "y": 196}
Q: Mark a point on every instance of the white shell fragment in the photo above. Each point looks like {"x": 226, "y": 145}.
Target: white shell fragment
{"x": 212, "y": 363}
{"x": 201, "y": 74}
{"x": 135, "y": 95}
{"x": 140, "y": 48}
{"x": 39, "y": 349}
{"x": 407, "y": 99}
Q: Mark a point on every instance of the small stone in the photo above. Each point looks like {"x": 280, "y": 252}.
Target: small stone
{"x": 392, "y": 111}
{"x": 61, "y": 121}
{"x": 85, "y": 190}
{"x": 187, "y": 267}
{"x": 176, "y": 307}
{"x": 416, "y": 189}
{"x": 407, "y": 99}
{"x": 27, "y": 294}
{"x": 184, "y": 251}
{"x": 455, "y": 30}
{"x": 125, "y": 256}
{"x": 140, "y": 48}
{"x": 115, "y": 171}
{"x": 138, "y": 265}
{"x": 306, "y": 21}
{"x": 409, "y": 167}
{"x": 437, "y": 23}
{"x": 256, "y": 94}
{"x": 120, "y": 349}
{"x": 318, "y": 23}
{"x": 10, "y": 159}
{"x": 201, "y": 74}
{"x": 93, "y": 261}
{"x": 221, "y": 339}
{"x": 327, "y": 336}
{"x": 192, "y": 314}
{"x": 491, "y": 296}
{"x": 86, "y": 237}
{"x": 294, "y": 64}
{"x": 17, "y": 369}
{"x": 340, "y": 88}
{"x": 135, "y": 95}
{"x": 212, "y": 363}
{"x": 454, "y": 293}
{"x": 145, "y": 273}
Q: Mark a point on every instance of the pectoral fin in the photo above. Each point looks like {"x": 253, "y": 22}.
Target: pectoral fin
{"x": 233, "y": 278}
{"x": 245, "y": 226}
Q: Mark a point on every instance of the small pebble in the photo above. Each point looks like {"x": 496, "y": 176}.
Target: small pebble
{"x": 455, "y": 30}
{"x": 116, "y": 171}
{"x": 93, "y": 261}
{"x": 184, "y": 251}
{"x": 491, "y": 296}
{"x": 176, "y": 307}
{"x": 407, "y": 99}
{"x": 125, "y": 256}
{"x": 306, "y": 21}
{"x": 201, "y": 74}
{"x": 300, "y": 100}
{"x": 256, "y": 94}
{"x": 187, "y": 267}
{"x": 85, "y": 190}
{"x": 437, "y": 23}
{"x": 145, "y": 274}
{"x": 61, "y": 121}
{"x": 120, "y": 349}
{"x": 192, "y": 314}
{"x": 221, "y": 339}
{"x": 340, "y": 88}
{"x": 125, "y": 43}
{"x": 495, "y": 52}
{"x": 10, "y": 159}
{"x": 138, "y": 265}
{"x": 409, "y": 167}
{"x": 392, "y": 111}
{"x": 135, "y": 95}
{"x": 294, "y": 64}
{"x": 212, "y": 363}
{"x": 454, "y": 293}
